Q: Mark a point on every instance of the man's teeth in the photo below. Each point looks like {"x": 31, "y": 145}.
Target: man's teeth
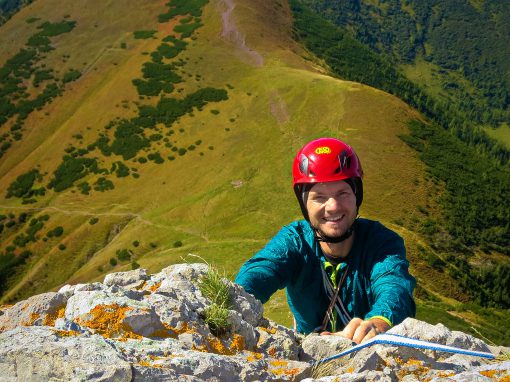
{"x": 333, "y": 219}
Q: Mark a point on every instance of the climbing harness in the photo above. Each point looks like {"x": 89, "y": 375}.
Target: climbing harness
{"x": 397, "y": 340}
{"x": 332, "y": 292}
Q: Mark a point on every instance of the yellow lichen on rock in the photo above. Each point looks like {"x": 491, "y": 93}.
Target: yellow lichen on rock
{"x": 163, "y": 333}
{"x": 66, "y": 333}
{"x": 216, "y": 346}
{"x": 108, "y": 321}
{"x": 183, "y": 328}
{"x": 279, "y": 367}
{"x": 268, "y": 330}
{"x": 488, "y": 373}
{"x": 238, "y": 343}
{"x": 254, "y": 356}
{"x": 50, "y": 318}
{"x": 418, "y": 369}
{"x": 445, "y": 374}
{"x": 33, "y": 318}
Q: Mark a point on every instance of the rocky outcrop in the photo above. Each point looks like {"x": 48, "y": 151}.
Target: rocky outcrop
{"x": 139, "y": 327}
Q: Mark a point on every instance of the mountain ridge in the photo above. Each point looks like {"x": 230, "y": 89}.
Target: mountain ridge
{"x": 223, "y": 204}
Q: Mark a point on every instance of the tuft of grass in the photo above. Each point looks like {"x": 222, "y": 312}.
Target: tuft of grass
{"x": 216, "y": 318}
{"x": 324, "y": 369}
{"x": 214, "y": 287}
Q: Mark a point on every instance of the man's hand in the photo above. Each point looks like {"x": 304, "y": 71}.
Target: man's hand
{"x": 360, "y": 330}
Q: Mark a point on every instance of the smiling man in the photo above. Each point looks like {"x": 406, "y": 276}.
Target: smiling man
{"x": 343, "y": 274}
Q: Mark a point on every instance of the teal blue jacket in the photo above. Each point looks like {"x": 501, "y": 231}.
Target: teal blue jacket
{"x": 378, "y": 282}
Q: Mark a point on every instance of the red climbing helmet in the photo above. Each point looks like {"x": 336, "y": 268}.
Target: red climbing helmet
{"x": 326, "y": 160}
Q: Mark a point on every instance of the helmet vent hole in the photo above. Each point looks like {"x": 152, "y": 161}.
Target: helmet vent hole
{"x": 303, "y": 165}
{"x": 337, "y": 170}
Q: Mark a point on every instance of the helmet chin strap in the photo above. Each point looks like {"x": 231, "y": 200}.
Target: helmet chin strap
{"x": 328, "y": 239}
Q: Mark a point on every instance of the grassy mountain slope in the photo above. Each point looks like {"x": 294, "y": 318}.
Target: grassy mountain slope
{"x": 221, "y": 187}
{"x": 462, "y": 46}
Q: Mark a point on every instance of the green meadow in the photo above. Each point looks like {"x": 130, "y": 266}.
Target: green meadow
{"x": 206, "y": 176}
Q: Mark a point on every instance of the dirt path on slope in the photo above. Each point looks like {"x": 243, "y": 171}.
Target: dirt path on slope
{"x": 231, "y": 33}
{"x": 86, "y": 213}
{"x": 278, "y": 108}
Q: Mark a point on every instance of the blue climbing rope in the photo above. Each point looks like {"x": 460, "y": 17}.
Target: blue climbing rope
{"x": 397, "y": 340}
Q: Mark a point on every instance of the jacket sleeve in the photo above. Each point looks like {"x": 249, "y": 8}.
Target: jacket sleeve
{"x": 273, "y": 267}
{"x": 391, "y": 284}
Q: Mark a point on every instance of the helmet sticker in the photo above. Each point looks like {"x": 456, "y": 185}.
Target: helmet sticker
{"x": 322, "y": 150}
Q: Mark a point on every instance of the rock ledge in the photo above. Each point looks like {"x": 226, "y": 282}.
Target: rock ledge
{"x": 140, "y": 327}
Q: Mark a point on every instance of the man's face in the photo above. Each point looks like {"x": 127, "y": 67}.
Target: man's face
{"x": 332, "y": 207}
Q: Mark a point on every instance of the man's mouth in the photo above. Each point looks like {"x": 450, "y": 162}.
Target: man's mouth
{"x": 333, "y": 219}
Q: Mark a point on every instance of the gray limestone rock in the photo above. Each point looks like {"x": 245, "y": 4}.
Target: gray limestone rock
{"x": 440, "y": 334}
{"x": 69, "y": 290}
{"x": 366, "y": 376}
{"x": 130, "y": 279}
{"x": 175, "y": 310}
{"x": 42, "y": 354}
{"x": 248, "y": 306}
{"x": 244, "y": 329}
{"x": 114, "y": 314}
{"x": 316, "y": 347}
{"x": 278, "y": 341}
{"x": 38, "y": 310}
{"x": 365, "y": 360}
{"x": 139, "y": 327}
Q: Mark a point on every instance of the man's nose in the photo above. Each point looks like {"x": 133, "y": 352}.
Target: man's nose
{"x": 331, "y": 204}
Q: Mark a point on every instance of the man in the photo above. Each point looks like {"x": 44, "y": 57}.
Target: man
{"x": 342, "y": 273}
